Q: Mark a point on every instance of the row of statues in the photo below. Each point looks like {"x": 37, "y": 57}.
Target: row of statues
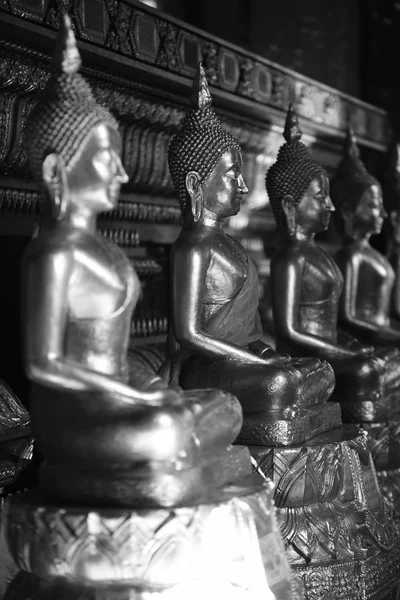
{"x": 157, "y": 483}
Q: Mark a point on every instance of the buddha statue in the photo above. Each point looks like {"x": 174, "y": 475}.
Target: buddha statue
{"x": 330, "y": 511}
{"x": 307, "y": 286}
{"x": 365, "y": 307}
{"x": 106, "y": 433}
{"x": 216, "y": 336}
{"x": 141, "y": 493}
{"x": 391, "y": 202}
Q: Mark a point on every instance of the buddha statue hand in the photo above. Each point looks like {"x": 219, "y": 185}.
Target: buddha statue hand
{"x": 268, "y": 353}
{"x": 354, "y": 345}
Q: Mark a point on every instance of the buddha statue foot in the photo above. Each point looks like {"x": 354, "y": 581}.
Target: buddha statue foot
{"x": 269, "y": 429}
{"x": 331, "y": 512}
{"x": 227, "y": 549}
{"x": 150, "y": 485}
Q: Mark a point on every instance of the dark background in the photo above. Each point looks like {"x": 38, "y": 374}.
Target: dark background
{"x": 351, "y": 45}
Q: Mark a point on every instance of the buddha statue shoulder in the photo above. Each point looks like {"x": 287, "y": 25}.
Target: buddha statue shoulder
{"x": 391, "y": 201}
{"x": 90, "y": 417}
{"x": 216, "y": 334}
{"x": 369, "y": 278}
{"x": 306, "y": 282}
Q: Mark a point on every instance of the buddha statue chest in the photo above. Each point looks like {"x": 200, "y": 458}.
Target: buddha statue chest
{"x": 321, "y": 286}
{"x": 375, "y": 282}
{"x": 227, "y": 270}
{"x": 101, "y": 296}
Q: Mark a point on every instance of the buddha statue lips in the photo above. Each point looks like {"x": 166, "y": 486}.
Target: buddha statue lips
{"x": 104, "y": 435}
{"x": 215, "y": 338}
{"x": 307, "y": 286}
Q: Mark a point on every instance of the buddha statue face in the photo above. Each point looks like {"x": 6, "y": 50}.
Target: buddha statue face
{"x": 366, "y": 217}
{"x": 222, "y": 193}
{"x": 93, "y": 180}
{"x": 312, "y": 213}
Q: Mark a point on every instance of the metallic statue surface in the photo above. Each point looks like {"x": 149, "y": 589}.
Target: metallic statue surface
{"x": 215, "y": 338}
{"x": 365, "y": 307}
{"x": 163, "y": 506}
{"x": 391, "y": 201}
{"x": 306, "y": 289}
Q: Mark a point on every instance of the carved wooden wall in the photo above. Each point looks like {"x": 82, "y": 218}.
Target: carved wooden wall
{"x": 140, "y": 64}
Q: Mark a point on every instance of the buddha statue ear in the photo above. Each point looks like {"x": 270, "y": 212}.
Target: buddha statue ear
{"x": 289, "y": 208}
{"x": 55, "y": 179}
{"x": 195, "y": 192}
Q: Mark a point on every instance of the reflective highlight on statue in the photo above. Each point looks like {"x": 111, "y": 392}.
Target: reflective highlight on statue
{"x": 368, "y": 275}
{"x": 216, "y": 334}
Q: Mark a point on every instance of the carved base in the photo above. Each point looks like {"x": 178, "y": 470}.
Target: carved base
{"x": 149, "y": 485}
{"x": 384, "y": 443}
{"x": 266, "y": 430}
{"x": 389, "y": 483}
{"x": 331, "y": 514}
{"x": 375, "y": 578}
{"x": 229, "y": 549}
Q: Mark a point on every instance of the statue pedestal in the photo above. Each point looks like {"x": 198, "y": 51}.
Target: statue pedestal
{"x": 384, "y": 445}
{"x": 381, "y": 419}
{"x": 335, "y": 524}
{"x": 226, "y": 549}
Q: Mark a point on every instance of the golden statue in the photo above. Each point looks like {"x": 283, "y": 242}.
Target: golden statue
{"x": 215, "y": 338}
{"x": 365, "y": 308}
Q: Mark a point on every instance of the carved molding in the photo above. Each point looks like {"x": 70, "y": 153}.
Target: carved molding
{"x": 149, "y": 37}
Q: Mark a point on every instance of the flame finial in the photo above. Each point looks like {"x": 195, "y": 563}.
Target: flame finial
{"x": 66, "y": 56}
{"x": 201, "y": 97}
{"x": 292, "y": 132}
{"x": 350, "y": 145}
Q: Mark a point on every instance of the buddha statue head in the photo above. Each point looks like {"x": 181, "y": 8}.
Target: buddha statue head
{"x": 356, "y": 194}
{"x": 391, "y": 191}
{"x": 298, "y": 186}
{"x": 205, "y": 161}
{"x": 72, "y": 142}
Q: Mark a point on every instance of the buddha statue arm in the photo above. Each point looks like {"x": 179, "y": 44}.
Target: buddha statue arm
{"x": 187, "y": 296}
{"x": 396, "y": 288}
{"x": 286, "y": 300}
{"x": 46, "y": 315}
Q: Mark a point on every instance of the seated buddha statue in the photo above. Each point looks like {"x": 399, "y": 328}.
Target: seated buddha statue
{"x": 307, "y": 284}
{"x": 391, "y": 202}
{"x": 104, "y": 434}
{"x": 215, "y": 335}
{"x": 365, "y": 307}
